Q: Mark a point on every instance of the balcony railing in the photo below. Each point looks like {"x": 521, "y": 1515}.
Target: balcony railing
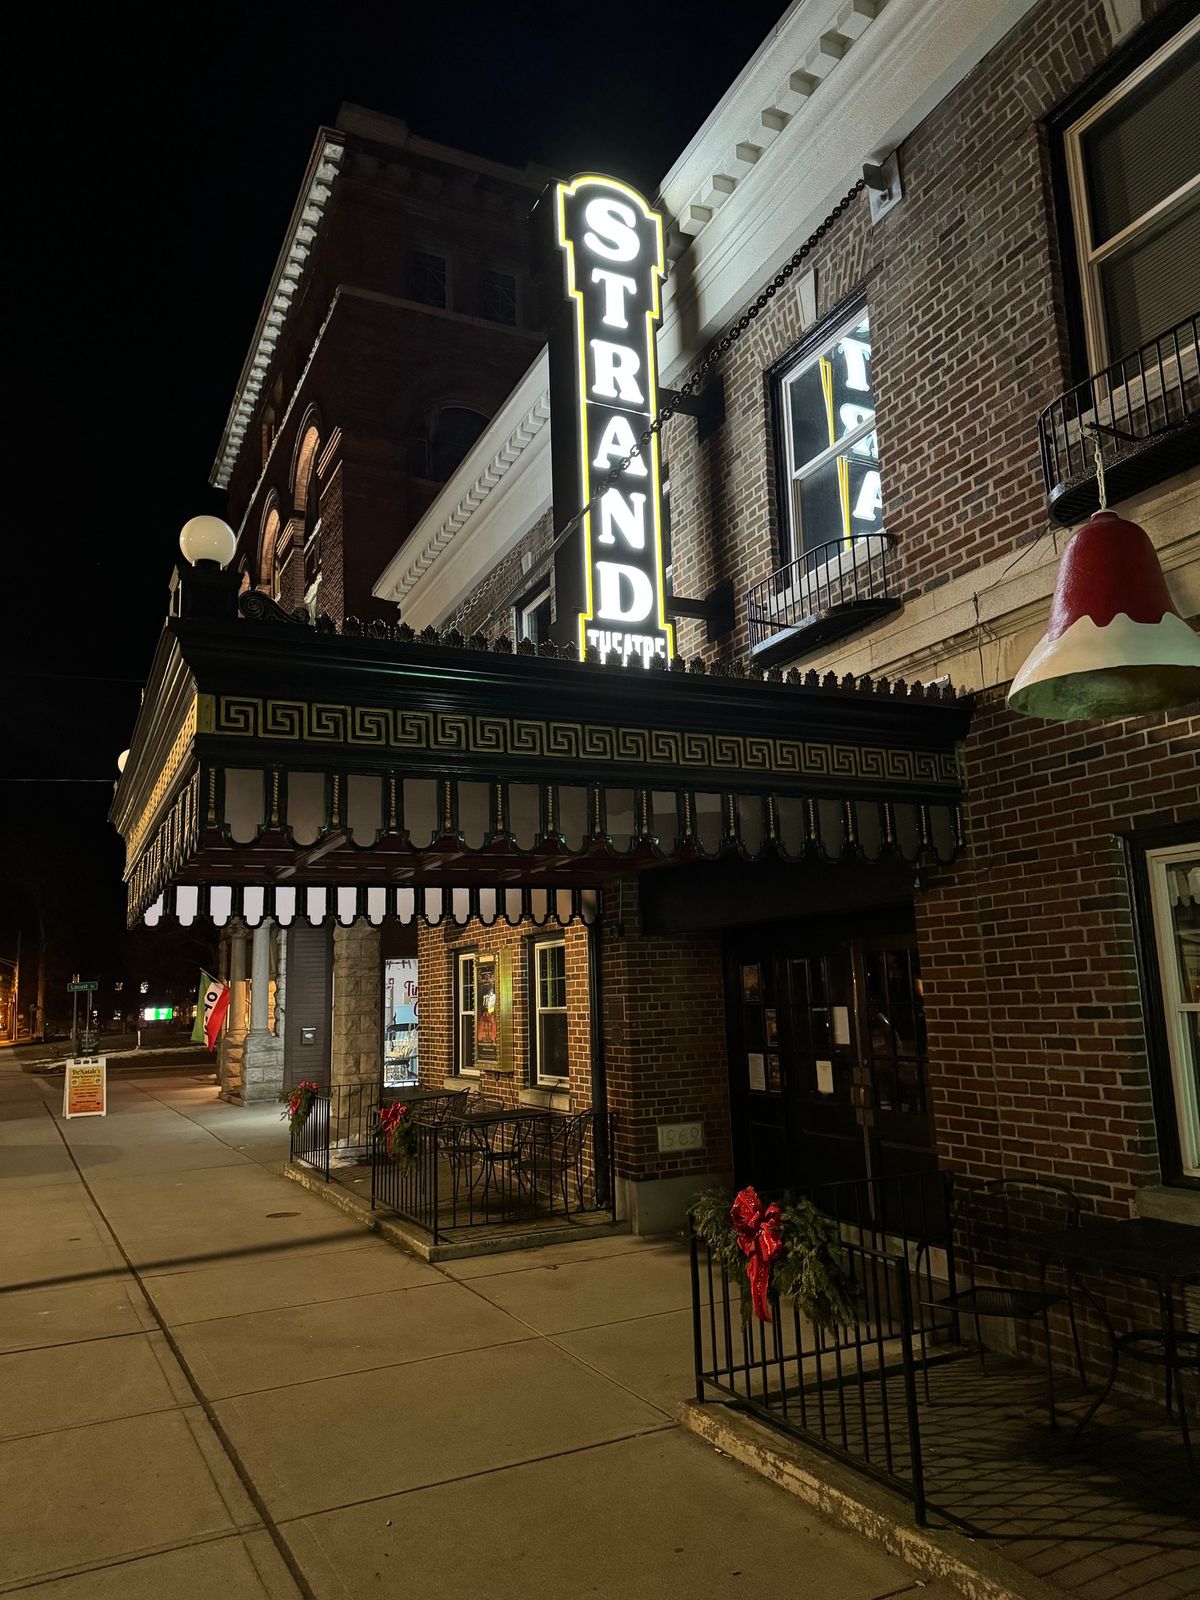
{"x": 828, "y": 592}
{"x": 1143, "y": 412}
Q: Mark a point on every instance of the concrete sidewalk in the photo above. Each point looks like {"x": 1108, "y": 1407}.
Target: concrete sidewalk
{"x": 214, "y": 1384}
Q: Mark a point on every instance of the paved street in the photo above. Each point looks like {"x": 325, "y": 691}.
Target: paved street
{"x": 212, "y": 1383}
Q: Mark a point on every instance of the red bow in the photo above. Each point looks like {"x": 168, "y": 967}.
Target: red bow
{"x": 760, "y": 1239}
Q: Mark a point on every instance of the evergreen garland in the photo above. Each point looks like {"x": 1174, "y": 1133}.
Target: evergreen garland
{"x": 398, "y": 1129}
{"x": 811, "y": 1267}
{"x": 298, "y": 1102}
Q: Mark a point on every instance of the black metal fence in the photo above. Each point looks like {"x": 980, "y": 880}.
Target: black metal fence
{"x": 310, "y": 1142}
{"x": 339, "y": 1129}
{"x": 821, "y": 580}
{"x": 470, "y": 1172}
{"x": 1146, "y": 395}
{"x": 851, "y": 1391}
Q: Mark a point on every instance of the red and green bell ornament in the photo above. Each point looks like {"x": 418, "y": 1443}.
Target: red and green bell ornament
{"x": 1115, "y": 645}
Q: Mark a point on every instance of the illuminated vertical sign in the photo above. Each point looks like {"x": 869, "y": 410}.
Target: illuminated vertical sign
{"x": 604, "y": 395}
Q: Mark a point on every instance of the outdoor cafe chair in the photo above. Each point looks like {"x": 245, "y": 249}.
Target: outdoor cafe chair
{"x": 1001, "y": 1279}
{"x": 553, "y": 1157}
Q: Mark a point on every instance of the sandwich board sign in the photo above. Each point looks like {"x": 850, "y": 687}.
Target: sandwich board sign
{"x": 85, "y": 1087}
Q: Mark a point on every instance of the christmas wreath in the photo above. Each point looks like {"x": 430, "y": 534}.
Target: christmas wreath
{"x": 398, "y": 1130}
{"x": 792, "y": 1251}
{"x": 299, "y": 1102}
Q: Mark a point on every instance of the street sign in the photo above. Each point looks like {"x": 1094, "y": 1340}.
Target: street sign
{"x": 88, "y": 986}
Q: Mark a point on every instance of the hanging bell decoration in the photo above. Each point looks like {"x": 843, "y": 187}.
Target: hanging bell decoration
{"x": 1115, "y": 645}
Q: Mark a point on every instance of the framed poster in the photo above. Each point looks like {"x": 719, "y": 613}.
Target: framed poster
{"x": 752, "y": 983}
{"x": 487, "y": 1011}
{"x": 772, "y": 1025}
{"x": 758, "y": 1075}
{"x": 400, "y": 1024}
{"x": 774, "y": 1075}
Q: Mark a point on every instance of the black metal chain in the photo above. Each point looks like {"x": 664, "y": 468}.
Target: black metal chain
{"x": 727, "y": 340}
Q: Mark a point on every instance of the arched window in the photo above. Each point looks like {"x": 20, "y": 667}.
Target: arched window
{"x": 443, "y": 437}
{"x": 305, "y": 494}
{"x": 268, "y": 577}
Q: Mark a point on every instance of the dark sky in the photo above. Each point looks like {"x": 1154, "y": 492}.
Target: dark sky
{"x": 159, "y": 155}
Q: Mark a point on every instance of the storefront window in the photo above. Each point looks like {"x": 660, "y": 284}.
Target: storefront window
{"x": 827, "y": 419}
{"x": 550, "y": 1011}
{"x": 465, "y": 1003}
{"x": 1175, "y": 902}
{"x": 400, "y": 1026}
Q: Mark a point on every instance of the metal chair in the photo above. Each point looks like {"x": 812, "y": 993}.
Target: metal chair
{"x": 992, "y": 1220}
{"x": 553, "y": 1157}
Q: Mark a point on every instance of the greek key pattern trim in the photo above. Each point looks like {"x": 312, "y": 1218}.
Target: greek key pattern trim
{"x": 453, "y": 733}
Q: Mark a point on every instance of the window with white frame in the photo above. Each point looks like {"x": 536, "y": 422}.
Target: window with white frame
{"x": 1133, "y": 168}
{"x": 1175, "y": 904}
{"x": 831, "y": 458}
{"x": 533, "y": 613}
{"x": 464, "y": 1018}
{"x": 550, "y": 1011}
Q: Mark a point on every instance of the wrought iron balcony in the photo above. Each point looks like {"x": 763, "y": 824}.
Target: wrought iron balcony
{"x": 829, "y": 592}
{"x": 1143, "y": 411}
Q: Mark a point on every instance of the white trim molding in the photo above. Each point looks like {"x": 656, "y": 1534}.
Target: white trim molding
{"x": 298, "y": 242}
{"x": 491, "y": 502}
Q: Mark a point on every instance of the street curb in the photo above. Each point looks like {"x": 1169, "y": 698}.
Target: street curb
{"x": 863, "y": 1507}
{"x": 416, "y": 1243}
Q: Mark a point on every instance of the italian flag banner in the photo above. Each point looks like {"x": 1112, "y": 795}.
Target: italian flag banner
{"x": 211, "y": 1005}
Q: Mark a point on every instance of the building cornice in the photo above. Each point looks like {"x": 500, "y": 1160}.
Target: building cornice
{"x": 428, "y": 579}
{"x": 307, "y": 217}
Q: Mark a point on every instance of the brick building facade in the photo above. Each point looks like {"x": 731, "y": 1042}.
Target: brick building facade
{"x": 1039, "y": 1037}
{"x": 398, "y": 318}
{"x": 777, "y": 1015}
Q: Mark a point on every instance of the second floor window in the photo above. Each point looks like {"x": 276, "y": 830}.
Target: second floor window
{"x": 826, "y": 421}
{"x": 1133, "y": 168}
{"x": 533, "y": 614}
{"x": 427, "y": 278}
{"x": 498, "y": 297}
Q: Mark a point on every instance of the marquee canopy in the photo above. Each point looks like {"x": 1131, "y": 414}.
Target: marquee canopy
{"x": 281, "y": 769}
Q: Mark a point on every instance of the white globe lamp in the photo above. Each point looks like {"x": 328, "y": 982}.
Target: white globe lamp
{"x": 208, "y": 539}
{"x": 121, "y": 760}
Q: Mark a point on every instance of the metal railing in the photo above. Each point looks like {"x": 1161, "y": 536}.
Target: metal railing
{"x": 339, "y": 1128}
{"x": 310, "y": 1142}
{"x": 1146, "y": 395}
{"x": 839, "y": 573}
{"x": 469, "y": 1173}
{"x": 850, "y": 1391}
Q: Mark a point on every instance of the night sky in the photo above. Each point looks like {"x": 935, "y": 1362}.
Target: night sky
{"x": 158, "y": 160}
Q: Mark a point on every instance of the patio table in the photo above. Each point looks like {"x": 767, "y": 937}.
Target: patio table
{"x": 497, "y": 1138}
{"x": 1165, "y": 1254}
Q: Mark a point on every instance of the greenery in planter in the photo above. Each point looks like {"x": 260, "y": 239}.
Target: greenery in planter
{"x": 808, "y": 1265}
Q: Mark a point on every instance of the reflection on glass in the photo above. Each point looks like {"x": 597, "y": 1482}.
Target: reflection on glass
{"x": 832, "y": 442}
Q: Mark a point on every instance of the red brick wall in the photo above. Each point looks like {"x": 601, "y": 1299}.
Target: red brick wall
{"x": 964, "y": 294}
{"x": 664, "y": 1040}
{"x": 436, "y": 953}
{"x": 1036, "y": 1034}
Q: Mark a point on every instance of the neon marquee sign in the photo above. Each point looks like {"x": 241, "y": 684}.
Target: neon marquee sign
{"x": 604, "y": 394}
